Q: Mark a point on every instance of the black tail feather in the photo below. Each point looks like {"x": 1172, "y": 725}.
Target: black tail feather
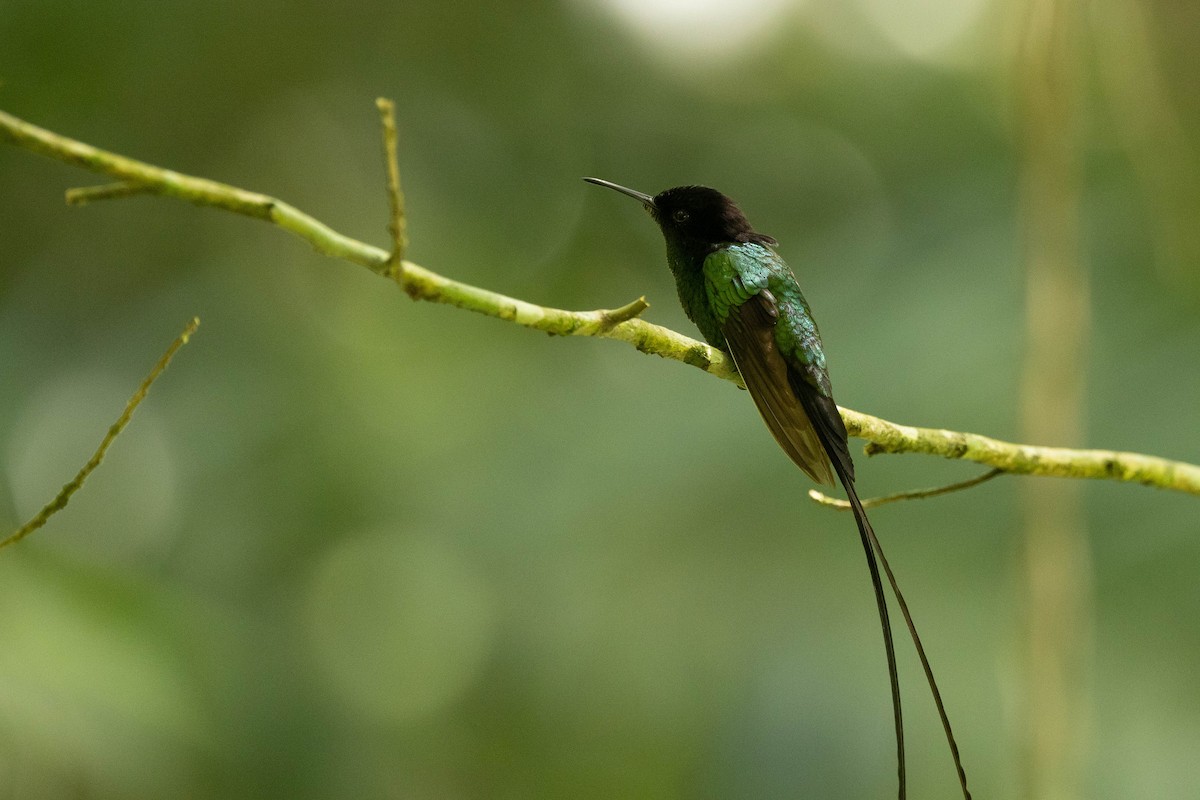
{"x": 827, "y": 421}
{"x": 870, "y": 541}
{"x": 870, "y": 545}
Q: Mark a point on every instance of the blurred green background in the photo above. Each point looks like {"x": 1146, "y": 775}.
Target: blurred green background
{"x": 354, "y": 546}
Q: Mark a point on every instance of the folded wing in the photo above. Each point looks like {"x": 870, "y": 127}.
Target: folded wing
{"x": 749, "y": 330}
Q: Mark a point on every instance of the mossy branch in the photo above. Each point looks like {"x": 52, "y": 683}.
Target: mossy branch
{"x": 623, "y": 324}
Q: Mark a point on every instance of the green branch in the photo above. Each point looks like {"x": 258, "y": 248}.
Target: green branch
{"x": 75, "y": 484}
{"x": 623, "y": 324}
{"x": 397, "y": 225}
{"x": 912, "y": 494}
{"x": 1023, "y": 459}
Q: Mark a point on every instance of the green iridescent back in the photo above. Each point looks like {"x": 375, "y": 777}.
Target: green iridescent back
{"x": 735, "y": 273}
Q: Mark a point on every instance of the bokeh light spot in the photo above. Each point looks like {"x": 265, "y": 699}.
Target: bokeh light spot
{"x": 924, "y": 28}
{"x": 699, "y": 27}
{"x": 402, "y": 627}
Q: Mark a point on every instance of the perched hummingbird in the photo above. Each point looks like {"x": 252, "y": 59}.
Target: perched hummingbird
{"x": 746, "y": 301}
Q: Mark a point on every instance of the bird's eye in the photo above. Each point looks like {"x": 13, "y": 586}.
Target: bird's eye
{"x": 680, "y": 216}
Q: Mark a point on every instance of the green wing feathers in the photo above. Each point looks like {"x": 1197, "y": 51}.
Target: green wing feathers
{"x": 772, "y": 347}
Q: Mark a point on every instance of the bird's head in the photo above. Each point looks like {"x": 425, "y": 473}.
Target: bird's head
{"x": 696, "y": 218}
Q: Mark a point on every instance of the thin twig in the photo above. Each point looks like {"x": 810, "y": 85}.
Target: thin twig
{"x": 63, "y": 497}
{"x": 397, "y": 225}
{"x": 625, "y": 312}
{"x": 109, "y": 191}
{"x": 200, "y": 191}
{"x": 883, "y": 436}
{"x": 912, "y": 494}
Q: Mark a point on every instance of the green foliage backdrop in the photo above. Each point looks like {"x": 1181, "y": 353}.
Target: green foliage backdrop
{"x": 354, "y": 546}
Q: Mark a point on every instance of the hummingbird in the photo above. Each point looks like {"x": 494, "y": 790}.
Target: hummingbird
{"x": 747, "y": 303}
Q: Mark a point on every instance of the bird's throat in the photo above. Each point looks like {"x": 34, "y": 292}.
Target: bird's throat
{"x": 688, "y": 270}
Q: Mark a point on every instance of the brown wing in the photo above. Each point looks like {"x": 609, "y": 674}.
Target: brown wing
{"x": 827, "y": 422}
{"x": 750, "y": 336}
